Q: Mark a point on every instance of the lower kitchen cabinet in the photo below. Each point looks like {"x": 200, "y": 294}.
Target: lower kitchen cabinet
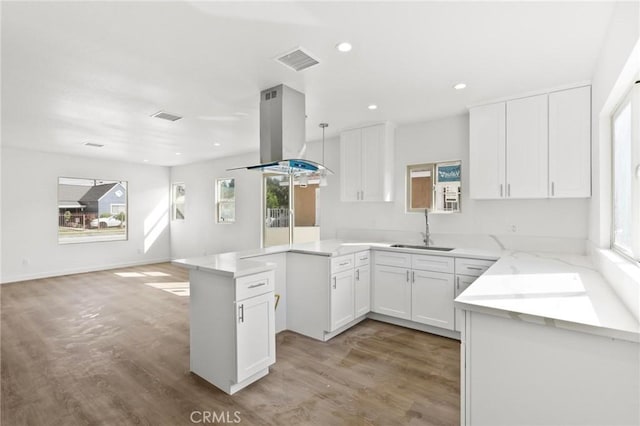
{"x": 462, "y": 282}
{"x": 392, "y": 291}
{"x": 432, "y": 295}
{"x": 255, "y": 331}
{"x": 342, "y": 299}
{"x": 362, "y": 290}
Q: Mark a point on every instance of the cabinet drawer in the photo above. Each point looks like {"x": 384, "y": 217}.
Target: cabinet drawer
{"x": 362, "y": 258}
{"x": 254, "y": 285}
{"x": 432, "y": 263}
{"x": 472, "y": 267}
{"x": 390, "y": 258}
{"x": 341, "y": 263}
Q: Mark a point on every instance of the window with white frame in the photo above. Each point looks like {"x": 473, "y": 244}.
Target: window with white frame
{"x": 178, "y": 193}
{"x": 225, "y": 200}
{"x": 625, "y": 129}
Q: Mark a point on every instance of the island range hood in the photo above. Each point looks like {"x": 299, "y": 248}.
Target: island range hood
{"x": 282, "y": 134}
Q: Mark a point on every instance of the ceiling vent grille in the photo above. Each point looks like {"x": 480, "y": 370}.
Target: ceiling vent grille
{"x": 93, "y": 144}
{"x": 166, "y": 116}
{"x": 297, "y": 59}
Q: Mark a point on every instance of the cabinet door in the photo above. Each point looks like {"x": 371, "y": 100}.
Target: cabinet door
{"x": 255, "y": 335}
{"x": 462, "y": 282}
{"x": 432, "y": 299}
{"x": 487, "y": 151}
{"x": 527, "y": 148}
{"x": 350, "y": 165}
{"x": 342, "y": 299}
{"x": 372, "y": 164}
{"x": 392, "y": 291}
{"x": 363, "y": 290}
{"x": 570, "y": 143}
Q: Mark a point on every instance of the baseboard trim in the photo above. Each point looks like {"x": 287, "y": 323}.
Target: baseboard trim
{"x": 415, "y": 325}
{"x": 37, "y": 276}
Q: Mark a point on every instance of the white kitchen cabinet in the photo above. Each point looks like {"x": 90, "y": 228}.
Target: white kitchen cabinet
{"x": 366, "y": 163}
{"x": 467, "y": 271}
{"x": 362, "y": 283}
{"x": 487, "y": 149}
{"x": 392, "y": 291}
{"x": 527, "y": 147}
{"x": 462, "y": 282}
{"x": 532, "y": 147}
{"x": 570, "y": 143}
{"x": 432, "y": 298}
{"x": 232, "y": 327}
{"x": 342, "y": 301}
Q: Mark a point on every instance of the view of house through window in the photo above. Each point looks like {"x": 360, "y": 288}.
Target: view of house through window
{"x": 177, "y": 201}
{"x": 91, "y": 210}
{"x": 626, "y": 170}
{"x": 433, "y": 186}
{"x": 225, "y": 200}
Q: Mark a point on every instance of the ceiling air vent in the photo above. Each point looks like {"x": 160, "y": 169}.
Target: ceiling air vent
{"x": 93, "y": 144}
{"x": 297, "y": 59}
{"x": 166, "y": 116}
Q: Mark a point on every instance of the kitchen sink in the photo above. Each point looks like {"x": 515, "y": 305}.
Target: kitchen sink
{"x": 421, "y": 247}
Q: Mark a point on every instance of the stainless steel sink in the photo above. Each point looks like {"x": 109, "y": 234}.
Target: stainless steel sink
{"x": 421, "y": 247}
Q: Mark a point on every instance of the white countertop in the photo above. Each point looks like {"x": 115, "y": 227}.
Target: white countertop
{"x": 561, "y": 290}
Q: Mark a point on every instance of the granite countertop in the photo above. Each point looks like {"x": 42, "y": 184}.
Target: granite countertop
{"x": 564, "y": 291}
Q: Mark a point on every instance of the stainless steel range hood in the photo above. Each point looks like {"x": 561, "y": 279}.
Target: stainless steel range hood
{"x": 282, "y": 134}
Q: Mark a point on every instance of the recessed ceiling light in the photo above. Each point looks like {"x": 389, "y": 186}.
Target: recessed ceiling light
{"x": 344, "y": 47}
{"x": 373, "y": 106}
{"x": 145, "y": 160}
{"x": 216, "y": 144}
{"x": 178, "y": 153}
{"x": 459, "y": 86}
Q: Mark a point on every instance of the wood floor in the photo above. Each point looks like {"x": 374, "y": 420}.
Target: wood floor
{"x": 106, "y": 349}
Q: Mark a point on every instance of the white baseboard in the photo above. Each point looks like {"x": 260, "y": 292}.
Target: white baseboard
{"x": 40, "y": 275}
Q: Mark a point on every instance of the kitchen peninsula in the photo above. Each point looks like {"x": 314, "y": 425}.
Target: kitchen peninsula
{"x": 562, "y": 299}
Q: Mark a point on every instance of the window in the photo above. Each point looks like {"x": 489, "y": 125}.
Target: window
{"x": 177, "y": 201}
{"x": 626, "y": 173}
{"x": 91, "y": 210}
{"x": 434, "y": 186}
{"x": 225, "y": 200}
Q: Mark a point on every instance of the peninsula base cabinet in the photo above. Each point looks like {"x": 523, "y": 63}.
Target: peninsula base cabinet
{"x": 232, "y": 327}
{"x": 560, "y": 376}
{"x": 327, "y": 295}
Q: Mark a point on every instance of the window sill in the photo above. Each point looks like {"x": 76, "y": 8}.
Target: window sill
{"x": 622, "y": 274}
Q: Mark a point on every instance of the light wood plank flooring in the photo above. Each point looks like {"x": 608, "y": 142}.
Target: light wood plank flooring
{"x": 107, "y": 349}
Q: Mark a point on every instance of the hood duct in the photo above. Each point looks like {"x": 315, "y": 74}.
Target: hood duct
{"x": 282, "y": 134}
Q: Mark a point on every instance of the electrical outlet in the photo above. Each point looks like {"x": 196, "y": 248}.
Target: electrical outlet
{"x": 513, "y": 228}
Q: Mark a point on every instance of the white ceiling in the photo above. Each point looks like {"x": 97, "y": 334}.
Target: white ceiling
{"x": 74, "y": 72}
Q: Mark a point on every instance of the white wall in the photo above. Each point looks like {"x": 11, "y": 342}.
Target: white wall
{"x": 30, "y": 246}
{"x": 199, "y": 234}
{"x": 441, "y": 140}
{"x": 622, "y": 36}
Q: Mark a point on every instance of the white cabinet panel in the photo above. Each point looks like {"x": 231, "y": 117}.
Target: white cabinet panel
{"x": 527, "y": 147}
{"x": 341, "y": 263}
{"x": 362, "y": 258}
{"x": 362, "y": 290}
{"x": 255, "y": 328}
{"x": 366, "y": 163}
{"x": 350, "y": 165}
{"x": 392, "y": 291}
{"x": 432, "y": 263}
{"x": 570, "y": 143}
{"x": 472, "y": 267}
{"x": 487, "y": 151}
{"x": 342, "y": 299}
{"x": 432, "y": 299}
{"x": 391, "y": 258}
{"x": 462, "y": 282}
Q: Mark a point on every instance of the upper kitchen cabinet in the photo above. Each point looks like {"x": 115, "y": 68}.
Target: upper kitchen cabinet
{"x": 570, "y": 143}
{"x": 487, "y": 151}
{"x": 527, "y": 148}
{"x": 532, "y": 147}
{"x": 366, "y": 163}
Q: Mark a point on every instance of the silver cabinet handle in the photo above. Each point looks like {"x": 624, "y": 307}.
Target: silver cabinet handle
{"x": 335, "y": 281}
{"x": 407, "y": 275}
{"x": 475, "y": 268}
{"x": 344, "y": 263}
{"x": 458, "y": 283}
{"x": 501, "y": 190}
{"x": 358, "y": 274}
{"x": 257, "y": 285}
{"x": 413, "y": 276}
{"x": 508, "y": 190}
{"x": 553, "y": 189}
{"x": 241, "y": 315}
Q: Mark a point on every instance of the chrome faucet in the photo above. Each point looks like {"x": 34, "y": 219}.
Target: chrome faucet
{"x": 426, "y": 234}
